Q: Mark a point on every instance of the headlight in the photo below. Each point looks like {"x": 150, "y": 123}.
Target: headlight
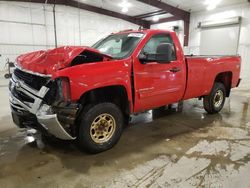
{"x": 63, "y": 85}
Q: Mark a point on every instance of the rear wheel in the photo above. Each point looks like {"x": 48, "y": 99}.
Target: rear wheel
{"x": 214, "y": 102}
{"x": 101, "y": 127}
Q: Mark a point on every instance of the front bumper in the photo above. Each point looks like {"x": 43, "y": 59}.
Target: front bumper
{"x": 54, "y": 127}
{"x": 36, "y": 114}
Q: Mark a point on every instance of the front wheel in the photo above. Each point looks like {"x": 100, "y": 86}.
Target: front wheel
{"x": 100, "y": 128}
{"x": 214, "y": 102}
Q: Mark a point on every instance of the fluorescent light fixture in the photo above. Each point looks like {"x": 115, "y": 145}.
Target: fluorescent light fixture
{"x": 156, "y": 18}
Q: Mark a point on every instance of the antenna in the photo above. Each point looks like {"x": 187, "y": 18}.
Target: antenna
{"x": 141, "y": 28}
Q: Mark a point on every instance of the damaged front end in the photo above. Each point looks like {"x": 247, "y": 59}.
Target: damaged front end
{"x": 39, "y": 102}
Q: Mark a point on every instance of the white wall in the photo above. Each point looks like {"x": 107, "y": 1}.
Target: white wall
{"x": 26, "y": 27}
{"x": 242, "y": 10}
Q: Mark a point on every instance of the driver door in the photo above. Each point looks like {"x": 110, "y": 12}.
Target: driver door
{"x": 158, "y": 84}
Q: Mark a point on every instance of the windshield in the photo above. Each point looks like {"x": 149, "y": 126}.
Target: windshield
{"x": 119, "y": 46}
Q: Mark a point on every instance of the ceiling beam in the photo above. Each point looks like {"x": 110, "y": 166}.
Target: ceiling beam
{"x": 151, "y": 14}
{"x": 163, "y": 20}
{"x": 182, "y": 14}
{"x": 83, "y": 6}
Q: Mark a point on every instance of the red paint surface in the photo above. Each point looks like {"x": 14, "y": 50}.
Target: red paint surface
{"x": 48, "y": 62}
{"x": 154, "y": 84}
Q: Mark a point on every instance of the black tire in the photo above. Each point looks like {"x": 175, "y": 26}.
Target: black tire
{"x": 89, "y": 117}
{"x": 218, "y": 94}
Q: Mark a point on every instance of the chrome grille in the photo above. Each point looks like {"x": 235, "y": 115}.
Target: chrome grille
{"x": 26, "y": 95}
{"x": 34, "y": 81}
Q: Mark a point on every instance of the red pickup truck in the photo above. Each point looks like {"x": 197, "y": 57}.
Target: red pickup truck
{"x": 87, "y": 94}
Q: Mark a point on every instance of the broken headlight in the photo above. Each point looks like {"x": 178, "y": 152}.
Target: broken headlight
{"x": 63, "y": 89}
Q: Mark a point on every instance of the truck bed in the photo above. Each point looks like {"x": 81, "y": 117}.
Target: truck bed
{"x": 202, "y": 71}
{"x": 210, "y": 56}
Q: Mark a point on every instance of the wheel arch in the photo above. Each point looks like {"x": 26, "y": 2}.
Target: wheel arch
{"x": 226, "y": 79}
{"x": 116, "y": 94}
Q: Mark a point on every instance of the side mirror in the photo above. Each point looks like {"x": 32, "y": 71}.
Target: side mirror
{"x": 143, "y": 57}
{"x": 164, "y": 54}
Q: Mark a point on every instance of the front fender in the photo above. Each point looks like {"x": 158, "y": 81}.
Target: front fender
{"x": 86, "y": 77}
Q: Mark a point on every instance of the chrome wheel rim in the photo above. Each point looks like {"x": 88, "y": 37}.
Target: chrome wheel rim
{"x": 102, "y": 128}
{"x": 218, "y": 98}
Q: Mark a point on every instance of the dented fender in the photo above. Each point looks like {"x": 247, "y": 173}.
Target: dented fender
{"x": 86, "y": 77}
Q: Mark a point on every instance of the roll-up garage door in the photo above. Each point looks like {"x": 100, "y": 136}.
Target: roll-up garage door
{"x": 220, "y": 39}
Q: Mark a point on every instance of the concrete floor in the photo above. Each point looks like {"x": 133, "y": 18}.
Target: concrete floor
{"x": 159, "y": 149}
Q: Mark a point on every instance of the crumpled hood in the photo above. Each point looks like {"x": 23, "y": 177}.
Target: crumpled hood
{"x": 48, "y": 62}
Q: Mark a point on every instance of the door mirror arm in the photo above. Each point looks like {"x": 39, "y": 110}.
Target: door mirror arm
{"x": 143, "y": 57}
{"x": 159, "y": 58}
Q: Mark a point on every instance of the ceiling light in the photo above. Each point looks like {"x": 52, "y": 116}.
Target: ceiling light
{"x": 209, "y": 2}
{"x": 125, "y": 9}
{"x": 156, "y": 18}
{"x": 212, "y": 4}
{"x": 211, "y": 7}
{"x": 125, "y": 3}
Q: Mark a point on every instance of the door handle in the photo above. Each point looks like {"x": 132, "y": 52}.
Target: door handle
{"x": 175, "y": 70}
